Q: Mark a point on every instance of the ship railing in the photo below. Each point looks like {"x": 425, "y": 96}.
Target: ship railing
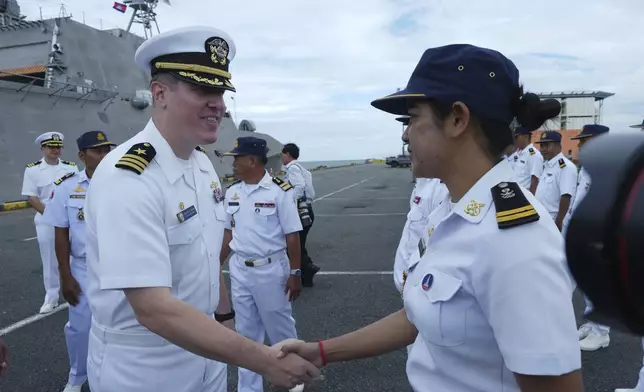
{"x": 83, "y": 92}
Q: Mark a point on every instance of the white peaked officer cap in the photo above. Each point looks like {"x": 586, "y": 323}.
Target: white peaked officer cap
{"x": 199, "y": 55}
{"x": 50, "y": 139}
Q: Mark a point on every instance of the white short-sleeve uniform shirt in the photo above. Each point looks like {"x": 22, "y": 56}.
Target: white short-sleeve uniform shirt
{"x": 529, "y": 163}
{"x": 559, "y": 178}
{"x": 486, "y": 301}
{"x": 39, "y": 178}
{"x": 160, "y": 228}
{"x": 427, "y": 194}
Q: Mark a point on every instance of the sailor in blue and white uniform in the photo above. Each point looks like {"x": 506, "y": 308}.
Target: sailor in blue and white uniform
{"x": 37, "y": 186}
{"x": 558, "y": 182}
{"x": 529, "y": 162}
{"x": 262, "y": 233}
{"x": 65, "y": 213}
{"x": 488, "y": 306}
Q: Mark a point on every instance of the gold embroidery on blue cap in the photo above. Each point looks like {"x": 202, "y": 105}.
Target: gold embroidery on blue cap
{"x": 460, "y": 67}
{"x": 100, "y": 137}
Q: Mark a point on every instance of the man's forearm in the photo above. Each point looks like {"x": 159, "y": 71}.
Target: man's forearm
{"x": 36, "y": 204}
{"x": 294, "y": 251}
{"x": 63, "y": 250}
{"x": 225, "y": 246}
{"x": 383, "y": 336}
{"x": 534, "y": 182}
{"x": 564, "y": 205}
{"x": 194, "y": 331}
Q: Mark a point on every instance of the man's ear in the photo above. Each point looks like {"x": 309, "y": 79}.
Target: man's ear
{"x": 458, "y": 120}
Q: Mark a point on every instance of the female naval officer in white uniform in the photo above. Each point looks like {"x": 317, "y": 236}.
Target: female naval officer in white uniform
{"x": 488, "y": 306}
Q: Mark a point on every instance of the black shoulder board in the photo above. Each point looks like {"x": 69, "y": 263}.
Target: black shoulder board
{"x": 234, "y": 182}
{"x": 282, "y": 184}
{"x": 199, "y": 148}
{"x": 63, "y": 178}
{"x": 32, "y": 164}
{"x": 137, "y": 158}
{"x": 562, "y": 163}
{"x": 532, "y": 151}
{"x": 512, "y": 207}
{"x": 70, "y": 163}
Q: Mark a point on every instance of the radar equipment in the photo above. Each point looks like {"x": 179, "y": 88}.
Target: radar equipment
{"x": 144, "y": 14}
{"x": 247, "y": 126}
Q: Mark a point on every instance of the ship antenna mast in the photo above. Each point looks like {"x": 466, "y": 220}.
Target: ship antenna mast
{"x": 144, "y": 14}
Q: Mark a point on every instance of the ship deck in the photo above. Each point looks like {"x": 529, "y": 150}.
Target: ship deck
{"x": 360, "y": 213}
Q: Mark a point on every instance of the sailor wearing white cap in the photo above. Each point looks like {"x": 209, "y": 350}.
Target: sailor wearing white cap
{"x": 155, "y": 222}
{"x": 37, "y": 186}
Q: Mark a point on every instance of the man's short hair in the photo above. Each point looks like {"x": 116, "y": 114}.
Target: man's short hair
{"x": 292, "y": 149}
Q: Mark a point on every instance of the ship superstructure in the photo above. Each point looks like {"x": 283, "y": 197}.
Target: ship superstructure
{"x": 61, "y": 75}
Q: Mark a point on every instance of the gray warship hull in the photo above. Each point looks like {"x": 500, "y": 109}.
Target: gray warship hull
{"x": 61, "y": 75}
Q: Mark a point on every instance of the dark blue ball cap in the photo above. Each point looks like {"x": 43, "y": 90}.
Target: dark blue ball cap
{"x": 249, "y": 145}
{"x": 522, "y": 131}
{"x": 404, "y": 120}
{"x": 591, "y": 130}
{"x": 550, "y": 137}
{"x": 484, "y": 79}
{"x": 93, "y": 139}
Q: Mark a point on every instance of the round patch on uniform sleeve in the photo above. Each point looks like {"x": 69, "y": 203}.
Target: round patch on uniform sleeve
{"x": 427, "y": 281}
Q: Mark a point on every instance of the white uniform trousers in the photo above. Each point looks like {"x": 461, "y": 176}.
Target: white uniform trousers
{"x": 145, "y": 362}
{"x": 261, "y": 306}
{"x": 77, "y": 328}
{"x": 50, "y": 273}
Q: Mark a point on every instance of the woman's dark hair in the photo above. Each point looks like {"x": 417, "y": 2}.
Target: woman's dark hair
{"x": 530, "y": 111}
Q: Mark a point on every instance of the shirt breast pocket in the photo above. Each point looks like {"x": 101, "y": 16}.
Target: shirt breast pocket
{"x": 444, "y": 320}
{"x": 266, "y": 213}
{"x": 184, "y": 233}
{"x": 75, "y": 210}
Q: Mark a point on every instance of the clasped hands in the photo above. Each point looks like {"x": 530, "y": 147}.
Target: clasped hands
{"x": 299, "y": 363}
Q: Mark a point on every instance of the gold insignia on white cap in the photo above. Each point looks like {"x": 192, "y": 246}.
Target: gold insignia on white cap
{"x": 50, "y": 139}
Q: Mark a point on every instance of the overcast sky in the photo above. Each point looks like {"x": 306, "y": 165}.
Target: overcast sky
{"x": 306, "y": 71}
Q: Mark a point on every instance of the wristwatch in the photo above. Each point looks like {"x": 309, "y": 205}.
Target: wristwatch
{"x": 296, "y": 272}
{"x": 225, "y": 317}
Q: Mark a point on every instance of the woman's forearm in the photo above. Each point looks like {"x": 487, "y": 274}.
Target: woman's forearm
{"x": 383, "y": 336}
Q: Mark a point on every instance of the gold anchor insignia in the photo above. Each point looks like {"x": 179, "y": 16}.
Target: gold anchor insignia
{"x": 474, "y": 208}
{"x": 213, "y": 185}
{"x": 100, "y": 137}
{"x": 181, "y": 206}
{"x": 235, "y": 197}
{"x": 430, "y": 231}
{"x": 218, "y": 50}
{"x": 80, "y": 216}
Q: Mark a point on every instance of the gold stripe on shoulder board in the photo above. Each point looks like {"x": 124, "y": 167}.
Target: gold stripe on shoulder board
{"x": 512, "y": 207}
{"x": 137, "y": 158}
{"x": 282, "y": 184}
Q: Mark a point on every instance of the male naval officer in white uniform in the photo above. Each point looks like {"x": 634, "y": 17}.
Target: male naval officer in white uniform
{"x": 529, "y": 163}
{"x": 37, "y": 186}
{"x": 65, "y": 213}
{"x": 558, "y": 182}
{"x": 262, "y": 225}
{"x": 302, "y": 182}
{"x": 155, "y": 221}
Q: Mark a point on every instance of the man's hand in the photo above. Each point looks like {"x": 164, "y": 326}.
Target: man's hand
{"x": 308, "y": 351}
{"x": 293, "y": 287}
{"x": 230, "y": 324}
{"x": 289, "y": 371}
{"x": 4, "y": 359}
{"x": 71, "y": 289}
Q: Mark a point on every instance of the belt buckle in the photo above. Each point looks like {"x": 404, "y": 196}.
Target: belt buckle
{"x": 249, "y": 263}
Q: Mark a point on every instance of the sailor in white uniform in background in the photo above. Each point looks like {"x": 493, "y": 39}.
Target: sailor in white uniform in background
{"x": 66, "y": 213}
{"x": 511, "y": 154}
{"x": 262, "y": 225}
{"x": 427, "y": 194}
{"x": 529, "y": 163}
{"x": 155, "y": 220}
{"x": 303, "y": 191}
{"x": 558, "y": 182}
{"x": 38, "y": 186}
{"x": 488, "y": 306}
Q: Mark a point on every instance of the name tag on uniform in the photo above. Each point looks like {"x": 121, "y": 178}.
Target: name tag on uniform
{"x": 267, "y": 205}
{"x": 233, "y": 203}
{"x": 76, "y": 196}
{"x": 187, "y": 214}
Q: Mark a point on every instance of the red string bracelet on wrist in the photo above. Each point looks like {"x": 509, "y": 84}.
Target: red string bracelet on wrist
{"x": 322, "y": 353}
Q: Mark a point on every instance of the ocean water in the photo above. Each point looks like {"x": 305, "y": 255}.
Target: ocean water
{"x": 312, "y": 164}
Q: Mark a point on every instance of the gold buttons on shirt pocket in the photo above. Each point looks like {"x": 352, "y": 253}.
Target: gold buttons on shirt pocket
{"x": 184, "y": 233}
{"x": 443, "y": 321}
